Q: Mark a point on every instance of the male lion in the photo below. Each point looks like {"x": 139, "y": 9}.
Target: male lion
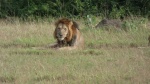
{"x": 67, "y": 35}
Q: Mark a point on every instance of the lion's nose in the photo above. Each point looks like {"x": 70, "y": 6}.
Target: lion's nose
{"x": 60, "y": 35}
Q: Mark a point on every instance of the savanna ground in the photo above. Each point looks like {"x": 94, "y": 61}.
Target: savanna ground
{"x": 111, "y": 56}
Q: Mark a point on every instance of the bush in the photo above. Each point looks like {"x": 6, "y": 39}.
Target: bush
{"x": 57, "y": 8}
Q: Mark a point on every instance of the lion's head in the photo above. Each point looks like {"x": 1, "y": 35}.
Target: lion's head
{"x": 67, "y": 34}
{"x": 64, "y": 30}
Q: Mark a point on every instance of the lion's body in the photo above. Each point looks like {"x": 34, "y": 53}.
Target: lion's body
{"x": 67, "y": 35}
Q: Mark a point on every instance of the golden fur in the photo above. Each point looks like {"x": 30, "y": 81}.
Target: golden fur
{"x": 67, "y": 35}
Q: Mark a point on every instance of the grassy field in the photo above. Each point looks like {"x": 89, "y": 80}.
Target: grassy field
{"x": 109, "y": 57}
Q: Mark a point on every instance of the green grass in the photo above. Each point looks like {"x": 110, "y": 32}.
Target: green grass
{"x": 109, "y": 57}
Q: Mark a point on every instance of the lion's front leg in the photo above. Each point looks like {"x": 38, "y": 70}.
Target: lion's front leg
{"x": 53, "y": 46}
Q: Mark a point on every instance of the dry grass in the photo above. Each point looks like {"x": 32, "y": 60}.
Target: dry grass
{"x": 109, "y": 57}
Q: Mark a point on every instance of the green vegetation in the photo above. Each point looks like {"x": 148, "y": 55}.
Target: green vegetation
{"x": 56, "y": 8}
{"x": 111, "y": 56}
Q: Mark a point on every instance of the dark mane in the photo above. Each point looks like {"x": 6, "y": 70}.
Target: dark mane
{"x": 63, "y": 21}
{"x": 76, "y": 25}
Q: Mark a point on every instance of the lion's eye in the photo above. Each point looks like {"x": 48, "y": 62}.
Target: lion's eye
{"x": 65, "y": 29}
{"x": 58, "y": 28}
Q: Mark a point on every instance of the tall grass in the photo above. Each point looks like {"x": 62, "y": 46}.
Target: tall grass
{"x": 109, "y": 57}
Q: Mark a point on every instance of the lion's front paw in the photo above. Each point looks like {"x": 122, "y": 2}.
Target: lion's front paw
{"x": 66, "y": 48}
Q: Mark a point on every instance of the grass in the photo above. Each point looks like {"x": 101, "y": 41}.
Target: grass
{"x": 109, "y": 57}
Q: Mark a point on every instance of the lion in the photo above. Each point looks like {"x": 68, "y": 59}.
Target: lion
{"x": 68, "y": 35}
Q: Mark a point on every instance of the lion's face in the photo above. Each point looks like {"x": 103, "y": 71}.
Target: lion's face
{"x": 61, "y": 31}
